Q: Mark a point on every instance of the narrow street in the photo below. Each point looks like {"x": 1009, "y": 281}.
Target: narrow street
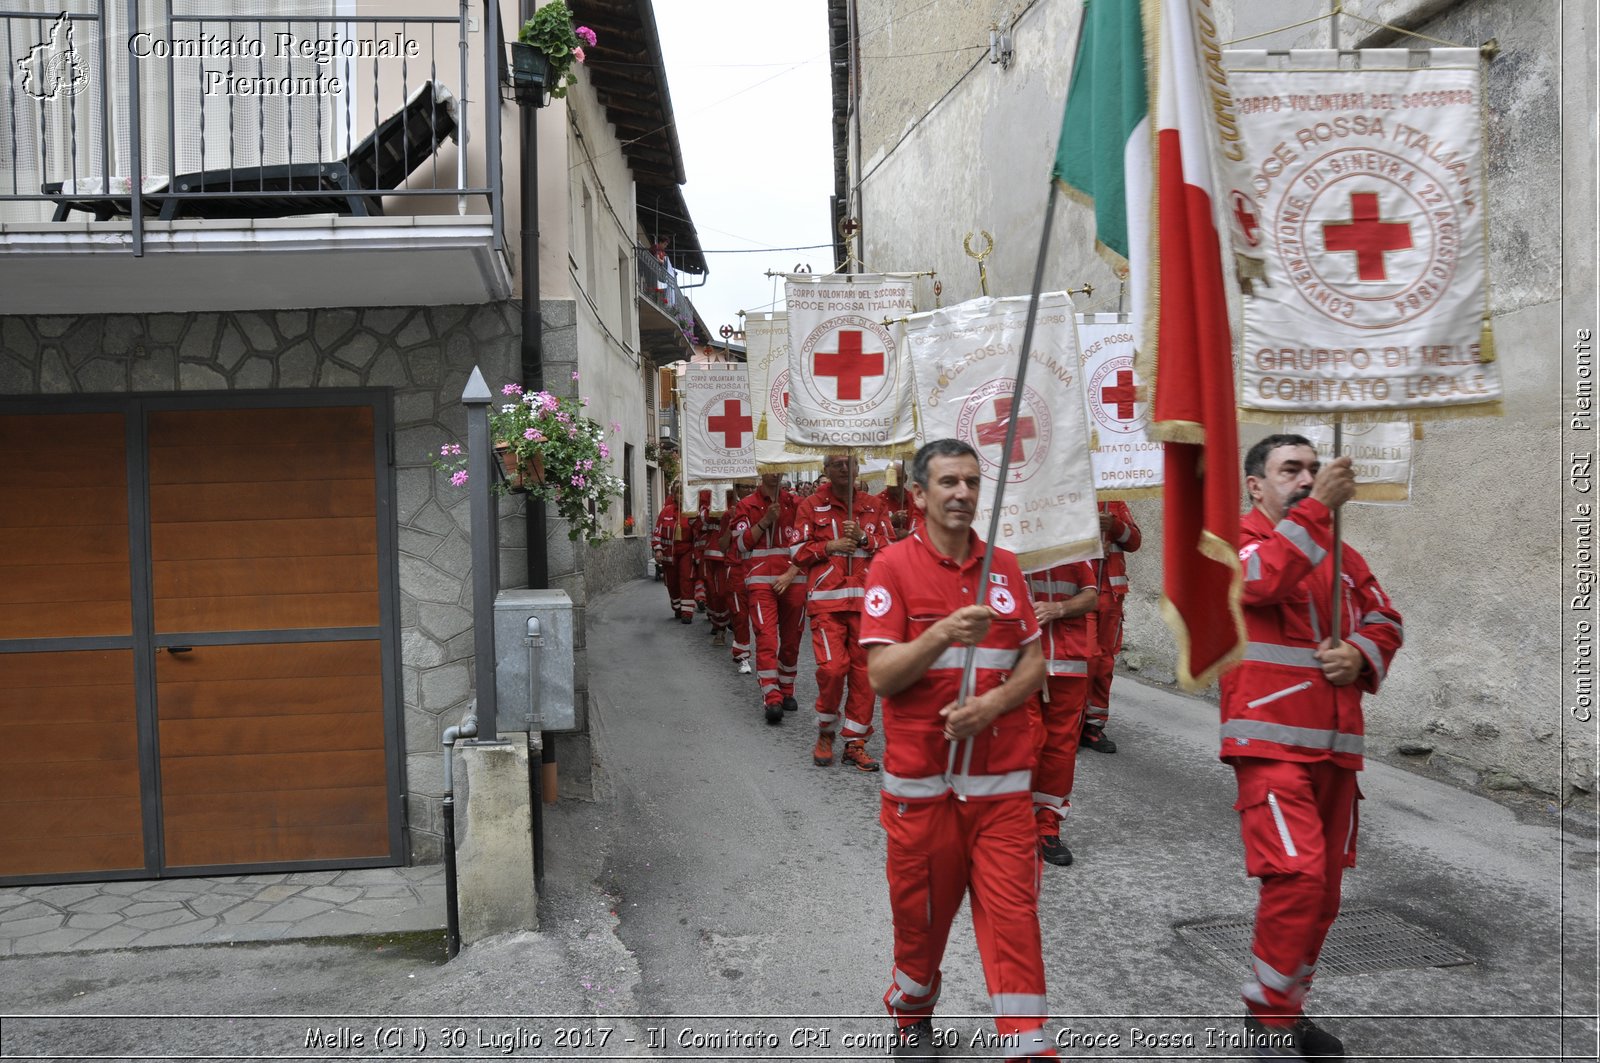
{"x": 748, "y": 882}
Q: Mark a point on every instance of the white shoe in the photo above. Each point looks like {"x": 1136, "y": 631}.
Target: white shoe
{"x": 744, "y": 668}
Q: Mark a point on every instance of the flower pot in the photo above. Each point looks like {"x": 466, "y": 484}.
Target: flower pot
{"x": 519, "y": 471}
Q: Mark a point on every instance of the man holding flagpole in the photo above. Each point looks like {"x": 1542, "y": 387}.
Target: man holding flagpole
{"x": 1292, "y": 725}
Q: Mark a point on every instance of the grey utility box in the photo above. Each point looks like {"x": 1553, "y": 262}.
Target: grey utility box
{"x": 534, "y": 663}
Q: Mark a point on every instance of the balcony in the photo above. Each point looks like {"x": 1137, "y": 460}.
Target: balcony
{"x": 667, "y": 319}
{"x": 154, "y": 157}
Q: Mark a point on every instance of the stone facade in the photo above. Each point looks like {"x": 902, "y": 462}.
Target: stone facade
{"x": 1475, "y": 560}
{"x": 424, "y": 355}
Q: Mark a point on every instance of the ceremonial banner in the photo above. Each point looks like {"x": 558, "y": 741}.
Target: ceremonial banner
{"x": 1381, "y": 452}
{"x": 766, "y": 344}
{"x": 850, "y": 382}
{"x": 718, "y": 427}
{"x": 1127, "y": 462}
{"x": 965, "y": 358}
{"x": 1369, "y": 204}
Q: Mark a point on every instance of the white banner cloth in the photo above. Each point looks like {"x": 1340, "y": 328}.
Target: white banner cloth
{"x": 1369, "y": 209}
{"x": 850, "y": 381}
{"x": 966, "y": 365}
{"x": 1127, "y": 462}
{"x": 766, "y": 344}
{"x": 1382, "y": 453}
{"x": 719, "y": 429}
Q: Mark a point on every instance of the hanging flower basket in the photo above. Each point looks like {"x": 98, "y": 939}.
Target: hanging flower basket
{"x": 521, "y": 471}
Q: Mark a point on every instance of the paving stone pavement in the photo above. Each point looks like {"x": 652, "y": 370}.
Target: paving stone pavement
{"x": 192, "y": 911}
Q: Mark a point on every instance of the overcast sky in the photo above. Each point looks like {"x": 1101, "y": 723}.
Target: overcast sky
{"x": 750, "y": 92}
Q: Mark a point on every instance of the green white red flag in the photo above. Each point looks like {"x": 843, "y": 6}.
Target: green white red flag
{"x": 1191, "y": 352}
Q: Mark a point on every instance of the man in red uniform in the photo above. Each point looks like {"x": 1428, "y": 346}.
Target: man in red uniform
{"x": 738, "y": 609}
{"x": 957, "y": 776}
{"x": 697, "y": 546}
{"x": 1119, "y": 535}
{"x": 1292, "y": 725}
{"x": 764, "y": 529}
{"x": 1064, "y": 598}
{"x": 904, "y": 516}
{"x": 839, "y": 533}
{"x": 714, "y": 568}
{"x": 670, "y": 544}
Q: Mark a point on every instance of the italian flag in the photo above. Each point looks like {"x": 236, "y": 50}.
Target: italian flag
{"x": 1137, "y": 140}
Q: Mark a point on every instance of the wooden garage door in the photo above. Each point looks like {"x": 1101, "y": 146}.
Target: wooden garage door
{"x": 235, "y": 625}
{"x": 69, "y": 746}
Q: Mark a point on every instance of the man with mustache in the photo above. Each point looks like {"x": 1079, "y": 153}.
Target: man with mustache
{"x": 957, "y": 795}
{"x": 1292, "y": 726}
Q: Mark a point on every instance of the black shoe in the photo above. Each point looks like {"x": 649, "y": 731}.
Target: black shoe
{"x": 773, "y": 711}
{"x": 1315, "y": 1042}
{"x": 791, "y": 705}
{"x": 1052, "y": 851}
{"x": 1270, "y": 1042}
{"x": 915, "y": 1042}
{"x": 1094, "y": 736}
{"x": 687, "y": 618}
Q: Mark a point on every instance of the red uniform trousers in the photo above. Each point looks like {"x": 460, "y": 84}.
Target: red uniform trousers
{"x": 777, "y": 621}
{"x": 939, "y": 850}
{"x": 669, "y": 576}
{"x": 1058, "y": 751}
{"x": 717, "y": 606}
{"x": 738, "y": 616}
{"x": 1104, "y": 664}
{"x": 835, "y": 641}
{"x": 680, "y": 568}
{"x": 1299, "y": 825}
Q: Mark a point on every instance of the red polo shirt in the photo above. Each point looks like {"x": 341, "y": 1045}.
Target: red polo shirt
{"x": 910, "y": 587}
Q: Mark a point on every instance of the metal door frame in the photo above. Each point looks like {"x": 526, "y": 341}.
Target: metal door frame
{"x": 144, "y": 643}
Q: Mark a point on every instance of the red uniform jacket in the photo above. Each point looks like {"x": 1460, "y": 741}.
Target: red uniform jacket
{"x": 1123, "y": 536}
{"x": 837, "y": 583}
{"x": 910, "y": 586}
{"x": 903, "y": 505}
{"x": 766, "y": 552}
{"x": 708, "y": 539}
{"x": 671, "y": 533}
{"x": 1277, "y": 704}
{"x": 1069, "y": 643}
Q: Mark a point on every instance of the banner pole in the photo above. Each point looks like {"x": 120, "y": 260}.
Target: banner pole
{"x": 969, "y": 667}
{"x": 1338, "y": 538}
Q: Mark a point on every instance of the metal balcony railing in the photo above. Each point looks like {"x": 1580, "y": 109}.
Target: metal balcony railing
{"x": 659, "y": 286}
{"x": 140, "y": 109}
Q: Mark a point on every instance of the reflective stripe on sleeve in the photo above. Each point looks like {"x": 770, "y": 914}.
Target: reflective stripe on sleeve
{"x": 839, "y": 595}
{"x": 1283, "y": 734}
{"x": 1370, "y": 648}
{"x": 1379, "y": 618}
{"x": 1302, "y": 541}
{"x": 1067, "y": 667}
{"x": 1119, "y": 581}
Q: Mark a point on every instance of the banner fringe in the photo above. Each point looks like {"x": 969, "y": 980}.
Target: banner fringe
{"x": 1375, "y": 492}
{"x": 1178, "y": 432}
{"x": 1126, "y": 494}
{"x": 1492, "y": 408}
{"x": 1223, "y": 553}
{"x": 1082, "y": 550}
{"x": 1486, "y": 353}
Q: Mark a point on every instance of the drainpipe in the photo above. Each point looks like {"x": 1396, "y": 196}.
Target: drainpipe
{"x": 468, "y": 728}
{"x": 532, "y": 311}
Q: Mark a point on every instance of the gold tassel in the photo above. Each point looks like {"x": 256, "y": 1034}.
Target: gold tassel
{"x": 1094, "y": 439}
{"x": 1416, "y": 431}
{"x": 761, "y": 429}
{"x": 1486, "y": 342}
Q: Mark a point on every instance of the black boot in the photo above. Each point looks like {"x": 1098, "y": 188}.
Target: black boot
{"x": 915, "y": 1042}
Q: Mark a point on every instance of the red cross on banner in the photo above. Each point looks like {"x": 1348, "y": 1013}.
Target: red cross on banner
{"x": 849, "y": 365}
{"x": 1367, "y": 235}
{"x": 1121, "y": 395}
{"x": 994, "y": 433}
{"x": 733, "y": 424}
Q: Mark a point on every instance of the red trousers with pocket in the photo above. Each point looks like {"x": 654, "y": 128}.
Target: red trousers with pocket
{"x": 1299, "y": 824}
{"x": 1104, "y": 664}
{"x": 1062, "y": 710}
{"x": 777, "y": 621}
{"x": 842, "y": 661}
{"x": 940, "y": 851}
{"x": 717, "y": 604}
{"x": 738, "y": 617}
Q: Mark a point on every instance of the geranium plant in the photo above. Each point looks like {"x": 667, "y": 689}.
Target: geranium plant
{"x": 571, "y": 446}
{"x": 551, "y": 31}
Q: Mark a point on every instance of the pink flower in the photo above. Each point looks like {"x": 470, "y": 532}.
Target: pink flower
{"x": 586, "y": 35}
{"x": 532, "y": 435}
{"x": 605, "y": 451}
{"x": 574, "y": 374}
{"x": 616, "y": 426}
{"x": 458, "y": 478}
{"x": 577, "y": 54}
{"x": 511, "y": 389}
